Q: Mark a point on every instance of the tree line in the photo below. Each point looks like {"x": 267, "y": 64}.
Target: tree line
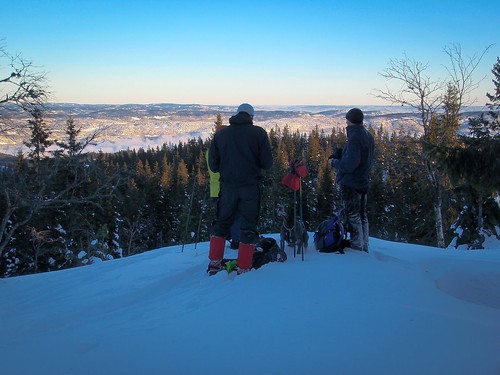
{"x": 66, "y": 208}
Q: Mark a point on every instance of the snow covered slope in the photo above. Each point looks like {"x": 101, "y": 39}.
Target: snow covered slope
{"x": 402, "y": 309}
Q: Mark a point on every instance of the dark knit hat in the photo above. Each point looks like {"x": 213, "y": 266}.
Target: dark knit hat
{"x": 355, "y": 115}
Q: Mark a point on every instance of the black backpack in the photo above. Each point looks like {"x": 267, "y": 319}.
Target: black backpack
{"x": 266, "y": 251}
{"x": 330, "y": 236}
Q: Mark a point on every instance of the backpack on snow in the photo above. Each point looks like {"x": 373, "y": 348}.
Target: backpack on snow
{"x": 330, "y": 236}
{"x": 266, "y": 251}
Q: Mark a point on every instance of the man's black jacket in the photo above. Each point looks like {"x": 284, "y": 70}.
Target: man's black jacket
{"x": 240, "y": 151}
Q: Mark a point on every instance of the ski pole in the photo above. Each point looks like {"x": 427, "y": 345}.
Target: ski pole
{"x": 202, "y": 211}
{"x": 294, "y": 221}
{"x": 300, "y": 207}
{"x": 189, "y": 214}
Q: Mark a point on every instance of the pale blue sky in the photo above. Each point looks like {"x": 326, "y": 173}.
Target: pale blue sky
{"x": 227, "y": 52}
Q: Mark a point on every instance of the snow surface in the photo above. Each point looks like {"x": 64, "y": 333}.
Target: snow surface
{"x": 402, "y": 309}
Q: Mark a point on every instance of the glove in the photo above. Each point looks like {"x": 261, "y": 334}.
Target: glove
{"x": 337, "y": 154}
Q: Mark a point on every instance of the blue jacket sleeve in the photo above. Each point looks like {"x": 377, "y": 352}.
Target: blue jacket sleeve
{"x": 351, "y": 158}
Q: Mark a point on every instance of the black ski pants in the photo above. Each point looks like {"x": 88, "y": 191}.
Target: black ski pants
{"x": 242, "y": 202}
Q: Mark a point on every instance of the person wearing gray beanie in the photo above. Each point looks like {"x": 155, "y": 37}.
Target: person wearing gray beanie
{"x": 239, "y": 153}
{"x": 245, "y": 107}
{"x": 352, "y": 170}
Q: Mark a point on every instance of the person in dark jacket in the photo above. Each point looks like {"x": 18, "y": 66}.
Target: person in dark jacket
{"x": 238, "y": 152}
{"x": 352, "y": 166}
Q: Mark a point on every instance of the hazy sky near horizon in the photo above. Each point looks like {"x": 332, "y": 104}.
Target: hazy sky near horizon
{"x": 228, "y": 52}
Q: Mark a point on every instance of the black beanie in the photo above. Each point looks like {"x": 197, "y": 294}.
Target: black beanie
{"x": 355, "y": 116}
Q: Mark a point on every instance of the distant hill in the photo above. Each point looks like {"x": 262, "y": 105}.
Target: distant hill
{"x": 6, "y": 159}
{"x": 151, "y": 125}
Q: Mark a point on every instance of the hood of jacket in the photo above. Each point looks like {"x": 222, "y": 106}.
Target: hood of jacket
{"x": 241, "y": 118}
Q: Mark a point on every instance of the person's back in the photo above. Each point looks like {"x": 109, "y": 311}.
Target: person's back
{"x": 238, "y": 153}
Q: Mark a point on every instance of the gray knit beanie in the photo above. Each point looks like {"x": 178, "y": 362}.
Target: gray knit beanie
{"x": 245, "y": 107}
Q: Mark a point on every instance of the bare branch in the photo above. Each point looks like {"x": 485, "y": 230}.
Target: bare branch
{"x": 461, "y": 71}
{"x": 92, "y": 138}
{"x": 416, "y": 90}
{"x": 22, "y": 86}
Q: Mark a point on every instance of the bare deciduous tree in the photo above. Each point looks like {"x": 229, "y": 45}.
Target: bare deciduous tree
{"x": 418, "y": 91}
{"x": 22, "y": 86}
{"x": 426, "y": 95}
{"x": 461, "y": 71}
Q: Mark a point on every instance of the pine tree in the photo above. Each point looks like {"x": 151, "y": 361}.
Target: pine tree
{"x": 218, "y": 121}
{"x": 71, "y": 147}
{"x": 443, "y": 128}
{"x": 39, "y": 140}
{"x": 166, "y": 174}
{"x": 494, "y": 98}
{"x": 378, "y": 201}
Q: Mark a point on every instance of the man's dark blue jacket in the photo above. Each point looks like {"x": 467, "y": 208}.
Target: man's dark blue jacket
{"x": 353, "y": 169}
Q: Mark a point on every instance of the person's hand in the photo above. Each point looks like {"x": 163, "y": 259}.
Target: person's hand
{"x": 337, "y": 154}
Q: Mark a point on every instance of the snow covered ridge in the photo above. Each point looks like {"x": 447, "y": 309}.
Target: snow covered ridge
{"x": 401, "y": 309}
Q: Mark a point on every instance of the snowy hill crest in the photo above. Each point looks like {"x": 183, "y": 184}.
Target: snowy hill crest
{"x": 402, "y": 309}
